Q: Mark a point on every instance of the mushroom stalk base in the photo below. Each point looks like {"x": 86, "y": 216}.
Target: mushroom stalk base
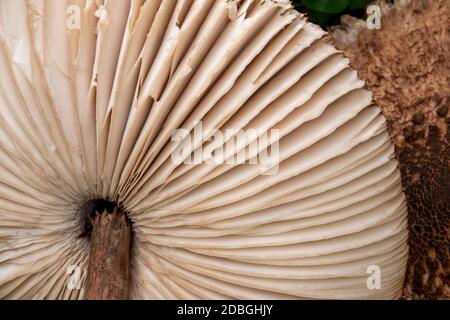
{"x": 109, "y": 258}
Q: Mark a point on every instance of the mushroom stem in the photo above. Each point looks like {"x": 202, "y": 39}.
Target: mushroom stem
{"x": 109, "y": 259}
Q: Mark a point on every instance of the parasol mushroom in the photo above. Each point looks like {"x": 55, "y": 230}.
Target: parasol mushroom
{"x": 104, "y": 105}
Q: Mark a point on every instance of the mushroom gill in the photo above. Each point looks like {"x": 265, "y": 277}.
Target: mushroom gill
{"x": 112, "y": 100}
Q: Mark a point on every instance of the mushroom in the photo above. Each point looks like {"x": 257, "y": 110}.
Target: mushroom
{"x": 104, "y": 106}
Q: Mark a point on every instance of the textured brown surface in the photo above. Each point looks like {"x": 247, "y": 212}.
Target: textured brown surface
{"x": 108, "y": 271}
{"x": 407, "y": 66}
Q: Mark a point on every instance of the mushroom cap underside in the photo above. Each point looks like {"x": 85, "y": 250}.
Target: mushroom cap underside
{"x": 114, "y": 100}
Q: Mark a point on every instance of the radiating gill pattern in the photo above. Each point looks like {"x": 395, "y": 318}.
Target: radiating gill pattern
{"x": 89, "y": 112}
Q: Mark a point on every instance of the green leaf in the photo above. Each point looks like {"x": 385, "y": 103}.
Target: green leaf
{"x": 357, "y": 4}
{"x": 326, "y": 6}
{"x": 319, "y": 17}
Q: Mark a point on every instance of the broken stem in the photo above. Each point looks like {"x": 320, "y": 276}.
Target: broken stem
{"x": 109, "y": 258}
